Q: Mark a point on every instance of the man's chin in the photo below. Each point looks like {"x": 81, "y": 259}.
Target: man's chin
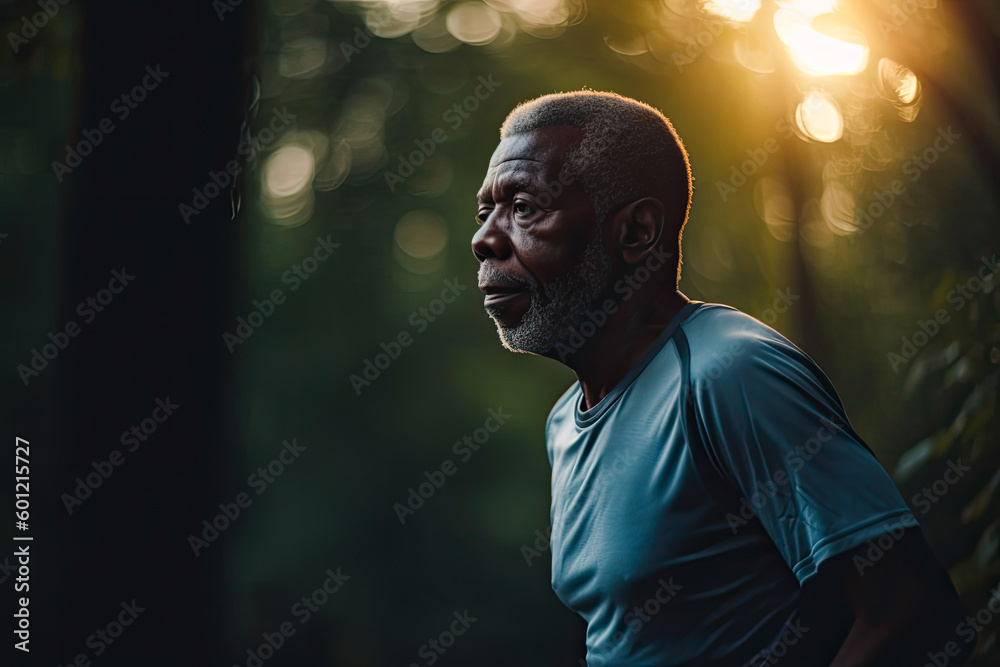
{"x": 510, "y": 348}
{"x": 514, "y": 340}
{"x": 519, "y": 348}
{"x": 509, "y": 311}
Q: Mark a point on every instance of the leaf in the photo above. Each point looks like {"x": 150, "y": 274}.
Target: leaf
{"x": 978, "y": 505}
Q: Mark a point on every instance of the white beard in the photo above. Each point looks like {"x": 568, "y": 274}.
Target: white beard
{"x": 549, "y": 318}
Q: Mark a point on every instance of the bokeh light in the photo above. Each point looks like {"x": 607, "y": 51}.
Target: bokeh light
{"x": 421, "y": 237}
{"x": 741, "y": 11}
{"x": 542, "y": 18}
{"x": 287, "y": 194}
{"x": 302, "y": 58}
{"x": 288, "y": 171}
{"x": 901, "y": 87}
{"x": 433, "y": 36}
{"x": 473, "y": 23}
{"x": 810, "y": 7}
{"x": 816, "y": 52}
{"x": 395, "y": 18}
{"x": 838, "y": 207}
{"x": 775, "y": 207}
{"x": 818, "y": 117}
{"x": 335, "y": 169}
{"x": 421, "y": 234}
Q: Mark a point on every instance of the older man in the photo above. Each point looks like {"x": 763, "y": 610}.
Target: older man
{"x": 711, "y": 503}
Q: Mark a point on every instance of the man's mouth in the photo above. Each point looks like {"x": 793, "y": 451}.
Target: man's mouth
{"x": 498, "y": 295}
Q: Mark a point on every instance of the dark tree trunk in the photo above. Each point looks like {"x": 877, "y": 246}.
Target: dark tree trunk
{"x": 159, "y": 337}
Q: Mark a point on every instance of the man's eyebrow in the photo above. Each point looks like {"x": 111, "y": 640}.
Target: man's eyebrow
{"x": 509, "y": 184}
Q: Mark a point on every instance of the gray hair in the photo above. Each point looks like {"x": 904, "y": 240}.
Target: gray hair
{"x": 629, "y": 150}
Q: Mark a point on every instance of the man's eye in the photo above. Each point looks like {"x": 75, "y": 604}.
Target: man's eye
{"x": 482, "y": 215}
{"x": 523, "y": 208}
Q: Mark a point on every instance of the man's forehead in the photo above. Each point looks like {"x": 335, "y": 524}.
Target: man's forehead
{"x": 545, "y": 146}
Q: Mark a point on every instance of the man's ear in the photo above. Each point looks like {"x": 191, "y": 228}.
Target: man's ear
{"x": 638, "y": 228}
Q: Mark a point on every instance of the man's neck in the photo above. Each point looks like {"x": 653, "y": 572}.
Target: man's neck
{"x": 621, "y": 342}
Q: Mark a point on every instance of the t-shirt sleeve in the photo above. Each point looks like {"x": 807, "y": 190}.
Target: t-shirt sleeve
{"x": 775, "y": 427}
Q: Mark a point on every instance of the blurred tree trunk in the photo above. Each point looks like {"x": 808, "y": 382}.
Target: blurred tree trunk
{"x": 158, "y": 338}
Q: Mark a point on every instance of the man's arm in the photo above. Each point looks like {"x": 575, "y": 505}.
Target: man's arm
{"x": 777, "y": 429}
{"x": 900, "y": 610}
{"x": 905, "y": 607}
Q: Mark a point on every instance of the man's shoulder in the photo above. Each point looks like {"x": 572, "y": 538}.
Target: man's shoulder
{"x": 561, "y": 412}
{"x": 723, "y": 340}
{"x": 566, "y": 398}
{"x": 564, "y": 405}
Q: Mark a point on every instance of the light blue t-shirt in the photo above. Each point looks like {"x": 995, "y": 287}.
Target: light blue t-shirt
{"x": 690, "y": 504}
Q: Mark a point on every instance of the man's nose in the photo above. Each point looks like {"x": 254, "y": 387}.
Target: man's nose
{"x": 490, "y": 240}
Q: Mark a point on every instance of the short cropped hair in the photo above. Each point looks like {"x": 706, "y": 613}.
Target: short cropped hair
{"x": 629, "y": 150}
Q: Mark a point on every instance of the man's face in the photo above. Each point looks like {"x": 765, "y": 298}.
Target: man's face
{"x": 541, "y": 261}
